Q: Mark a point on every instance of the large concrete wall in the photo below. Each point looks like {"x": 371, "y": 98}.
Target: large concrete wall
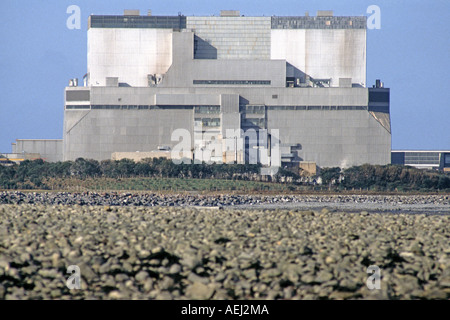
{"x": 185, "y": 69}
{"x": 210, "y": 95}
{"x": 333, "y": 137}
{"x": 96, "y": 134}
{"x": 321, "y": 53}
{"x": 131, "y": 54}
{"x": 328, "y": 137}
{"x": 128, "y": 53}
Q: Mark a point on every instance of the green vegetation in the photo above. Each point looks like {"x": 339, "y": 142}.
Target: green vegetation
{"x": 169, "y": 184}
{"x": 162, "y": 174}
{"x": 394, "y": 177}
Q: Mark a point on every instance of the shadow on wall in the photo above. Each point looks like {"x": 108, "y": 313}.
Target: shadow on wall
{"x": 295, "y": 73}
{"x": 203, "y": 49}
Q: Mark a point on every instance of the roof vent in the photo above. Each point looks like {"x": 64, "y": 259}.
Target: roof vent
{"x": 127, "y": 12}
{"x": 230, "y": 13}
{"x": 325, "y": 13}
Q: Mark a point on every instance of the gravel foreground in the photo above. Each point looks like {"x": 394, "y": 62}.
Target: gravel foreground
{"x": 139, "y": 252}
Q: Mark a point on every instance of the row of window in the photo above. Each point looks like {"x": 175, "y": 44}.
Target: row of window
{"x": 421, "y": 162}
{"x": 259, "y": 122}
{"x": 316, "y": 108}
{"x": 207, "y": 109}
{"x": 208, "y": 122}
{"x": 214, "y": 109}
{"x": 252, "y": 109}
{"x": 231, "y": 82}
{"x": 125, "y": 107}
{"x": 422, "y": 158}
{"x": 422, "y": 154}
{"x": 171, "y": 22}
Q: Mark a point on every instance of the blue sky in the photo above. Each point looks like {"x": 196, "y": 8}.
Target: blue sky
{"x": 410, "y": 54}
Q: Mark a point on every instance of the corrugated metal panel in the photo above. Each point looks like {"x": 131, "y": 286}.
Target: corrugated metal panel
{"x": 319, "y": 22}
{"x": 170, "y": 22}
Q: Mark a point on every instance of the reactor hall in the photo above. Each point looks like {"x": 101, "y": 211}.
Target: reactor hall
{"x": 242, "y": 84}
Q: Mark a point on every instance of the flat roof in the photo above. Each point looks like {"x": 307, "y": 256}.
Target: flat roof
{"x": 179, "y": 22}
{"x": 441, "y": 151}
{"x": 37, "y": 139}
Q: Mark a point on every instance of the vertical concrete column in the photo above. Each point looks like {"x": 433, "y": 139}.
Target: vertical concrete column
{"x": 230, "y": 120}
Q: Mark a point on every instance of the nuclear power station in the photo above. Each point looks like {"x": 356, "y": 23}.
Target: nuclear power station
{"x": 238, "y": 78}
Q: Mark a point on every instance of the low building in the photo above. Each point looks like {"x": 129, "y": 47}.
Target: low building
{"x": 9, "y": 158}
{"x": 50, "y": 150}
{"x": 422, "y": 159}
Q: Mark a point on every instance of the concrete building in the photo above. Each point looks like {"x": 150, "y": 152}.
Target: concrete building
{"x": 422, "y": 159}
{"x": 304, "y": 76}
{"x": 50, "y": 150}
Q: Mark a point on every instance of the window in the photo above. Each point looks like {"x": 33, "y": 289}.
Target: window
{"x": 422, "y": 158}
{"x": 252, "y": 109}
{"x": 259, "y": 122}
{"x": 378, "y": 96}
{"x": 75, "y": 107}
{"x": 208, "y": 122}
{"x": 207, "y": 109}
{"x": 233, "y": 82}
{"x": 447, "y": 160}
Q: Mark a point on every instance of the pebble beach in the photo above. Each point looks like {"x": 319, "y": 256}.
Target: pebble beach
{"x": 148, "y": 246}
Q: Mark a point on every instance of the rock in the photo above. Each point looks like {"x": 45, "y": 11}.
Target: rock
{"x": 174, "y": 269}
{"x": 348, "y": 285}
{"x": 190, "y": 262}
{"x": 329, "y": 260}
{"x": 148, "y": 284}
{"x": 87, "y": 272}
{"x": 141, "y": 276}
{"x": 199, "y": 291}
{"x": 308, "y": 278}
{"x": 340, "y": 295}
{"x": 167, "y": 283}
{"x": 164, "y": 295}
{"x": 323, "y": 276}
{"x": 436, "y": 295}
{"x": 2, "y": 291}
{"x": 49, "y": 273}
{"x": 192, "y": 277}
{"x": 144, "y": 254}
{"x": 25, "y": 257}
{"x": 115, "y": 295}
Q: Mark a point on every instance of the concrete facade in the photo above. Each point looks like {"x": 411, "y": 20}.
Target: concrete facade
{"x": 302, "y": 76}
{"x": 50, "y": 150}
{"x": 129, "y": 54}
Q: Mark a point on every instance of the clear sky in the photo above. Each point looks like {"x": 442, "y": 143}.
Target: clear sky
{"x": 410, "y": 53}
